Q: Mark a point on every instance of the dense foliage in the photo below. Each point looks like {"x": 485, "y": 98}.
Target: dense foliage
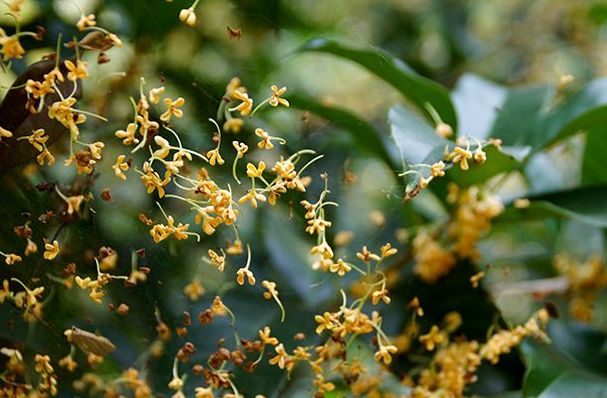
{"x": 276, "y": 198}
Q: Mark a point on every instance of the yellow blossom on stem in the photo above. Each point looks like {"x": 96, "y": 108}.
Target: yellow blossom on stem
{"x": 172, "y": 109}
{"x": 265, "y": 337}
{"x": 11, "y": 259}
{"x": 266, "y": 142}
{"x": 215, "y": 157}
{"x": 276, "y": 97}
{"x": 4, "y": 133}
{"x": 120, "y": 166}
{"x": 256, "y": 172}
{"x": 86, "y": 21}
{"x": 31, "y": 247}
{"x": 246, "y": 106}
{"x": 252, "y": 196}
{"x": 433, "y": 338}
{"x": 216, "y": 260}
{"x": 76, "y": 71}
{"x": 51, "y": 250}
{"x": 384, "y": 354}
{"x": 461, "y": 156}
{"x": 11, "y": 47}
{"x": 128, "y": 136}
{"x": 282, "y": 357}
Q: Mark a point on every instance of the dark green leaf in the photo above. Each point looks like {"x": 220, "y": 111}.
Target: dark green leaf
{"x": 365, "y": 135}
{"x": 519, "y": 113}
{"x": 418, "y": 89}
{"x": 477, "y": 102}
{"x": 414, "y": 137}
{"x": 595, "y": 153}
{"x": 586, "y": 205}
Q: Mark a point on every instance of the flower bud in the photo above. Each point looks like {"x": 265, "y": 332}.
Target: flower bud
{"x": 188, "y": 16}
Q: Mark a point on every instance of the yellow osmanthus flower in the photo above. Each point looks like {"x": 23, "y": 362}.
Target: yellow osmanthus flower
{"x": 321, "y": 385}
{"x": 461, "y": 156}
{"x": 164, "y": 150}
{"x": 272, "y": 293}
{"x": 378, "y": 295}
{"x": 340, "y": 267}
{"x": 86, "y": 21}
{"x": 388, "y": 251}
{"x": 252, "y": 196}
{"x": 51, "y": 250}
{"x": 243, "y": 273}
{"x": 172, "y": 109}
{"x": 128, "y": 136}
{"x": 266, "y": 139}
{"x": 264, "y": 335}
{"x": 11, "y": 47}
{"x": 160, "y": 232}
{"x": 4, "y": 133}
{"x": 11, "y": 259}
{"x": 31, "y": 247}
{"x": 194, "y": 290}
{"x": 367, "y": 256}
{"x": 68, "y": 363}
{"x": 276, "y": 99}
{"x": 241, "y": 148}
{"x": 45, "y": 156}
{"x": 256, "y": 172}
{"x": 63, "y": 112}
{"x": 215, "y": 157}
{"x": 246, "y": 105}
{"x": 438, "y": 169}
{"x": 151, "y": 179}
{"x": 432, "y": 261}
{"x": 37, "y": 139}
{"x": 120, "y": 166}
{"x": 76, "y": 71}
{"x": 217, "y": 260}
{"x": 433, "y": 338}
{"x": 282, "y": 358}
{"x": 155, "y": 94}
{"x": 74, "y": 203}
{"x": 384, "y": 354}
{"x": 476, "y": 278}
{"x": 233, "y": 125}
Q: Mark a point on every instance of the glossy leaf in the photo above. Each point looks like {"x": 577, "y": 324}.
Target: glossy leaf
{"x": 365, "y": 135}
{"x": 477, "y": 102}
{"x": 551, "y": 374}
{"x": 417, "y": 89}
{"x": 586, "y": 205}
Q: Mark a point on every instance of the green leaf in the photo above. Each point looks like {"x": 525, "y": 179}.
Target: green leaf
{"x": 595, "y": 153}
{"x": 585, "y": 204}
{"x": 544, "y": 364}
{"x": 583, "y": 111}
{"x": 418, "y": 89}
{"x": 498, "y": 161}
{"x": 414, "y": 137}
{"x": 365, "y": 135}
{"x": 477, "y": 102}
{"x": 552, "y": 374}
{"x": 418, "y": 143}
{"x": 521, "y": 110}
{"x": 576, "y": 383}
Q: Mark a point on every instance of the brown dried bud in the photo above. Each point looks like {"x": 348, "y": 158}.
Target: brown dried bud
{"x": 122, "y": 309}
